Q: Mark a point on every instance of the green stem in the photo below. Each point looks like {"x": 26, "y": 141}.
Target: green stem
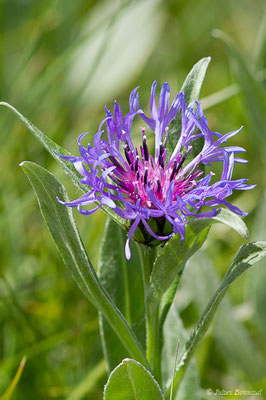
{"x": 147, "y": 257}
{"x": 153, "y": 348}
{"x": 167, "y": 300}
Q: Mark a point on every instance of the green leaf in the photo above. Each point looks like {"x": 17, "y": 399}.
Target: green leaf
{"x": 173, "y": 333}
{"x": 194, "y": 80}
{"x": 226, "y": 217}
{"x": 131, "y": 381}
{"x": 256, "y": 287}
{"x": 247, "y": 255}
{"x": 191, "y": 88}
{"x": 254, "y": 95}
{"x": 64, "y": 232}
{"x": 171, "y": 261}
{"x": 123, "y": 281}
{"x": 53, "y": 148}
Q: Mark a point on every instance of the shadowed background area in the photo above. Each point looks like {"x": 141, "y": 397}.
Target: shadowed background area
{"x": 61, "y": 63}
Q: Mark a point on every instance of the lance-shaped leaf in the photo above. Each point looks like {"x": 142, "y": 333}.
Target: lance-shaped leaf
{"x": 229, "y": 332}
{"x": 131, "y": 381}
{"x": 191, "y": 88}
{"x": 64, "y": 232}
{"x": 54, "y": 149}
{"x": 247, "y": 255}
{"x": 123, "y": 281}
{"x": 172, "y": 259}
{"x": 256, "y": 287}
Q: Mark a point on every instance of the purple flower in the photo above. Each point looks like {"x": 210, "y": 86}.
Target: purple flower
{"x": 140, "y": 186}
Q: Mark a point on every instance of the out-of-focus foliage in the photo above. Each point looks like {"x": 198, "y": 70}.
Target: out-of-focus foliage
{"x": 61, "y": 63}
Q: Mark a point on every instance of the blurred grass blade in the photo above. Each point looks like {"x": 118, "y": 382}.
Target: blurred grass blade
{"x": 10, "y": 390}
{"x": 191, "y": 88}
{"x": 64, "y": 232}
{"x": 131, "y": 381}
{"x": 254, "y": 95}
{"x": 39, "y": 347}
{"x": 122, "y": 280}
{"x": 96, "y": 72}
{"x": 260, "y": 45}
{"x": 228, "y": 92}
{"x": 247, "y": 255}
{"x": 53, "y": 148}
{"x": 219, "y": 97}
{"x": 88, "y": 383}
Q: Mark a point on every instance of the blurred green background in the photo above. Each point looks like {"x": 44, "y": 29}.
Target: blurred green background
{"x": 61, "y": 63}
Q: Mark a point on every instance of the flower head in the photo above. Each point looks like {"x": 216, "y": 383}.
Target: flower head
{"x": 142, "y": 186}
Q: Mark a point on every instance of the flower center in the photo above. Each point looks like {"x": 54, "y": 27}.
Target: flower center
{"x": 141, "y": 170}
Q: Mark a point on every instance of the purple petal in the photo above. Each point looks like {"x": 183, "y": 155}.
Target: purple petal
{"x": 164, "y": 101}
{"x": 130, "y": 234}
{"x": 153, "y": 101}
{"x": 175, "y": 107}
{"x": 87, "y": 212}
{"x": 148, "y": 228}
{"x": 108, "y": 202}
{"x": 134, "y": 100}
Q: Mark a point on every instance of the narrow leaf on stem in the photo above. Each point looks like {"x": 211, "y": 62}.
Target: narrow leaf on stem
{"x": 122, "y": 280}
{"x": 64, "y": 232}
{"x": 191, "y": 88}
{"x": 247, "y": 255}
{"x": 54, "y": 149}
